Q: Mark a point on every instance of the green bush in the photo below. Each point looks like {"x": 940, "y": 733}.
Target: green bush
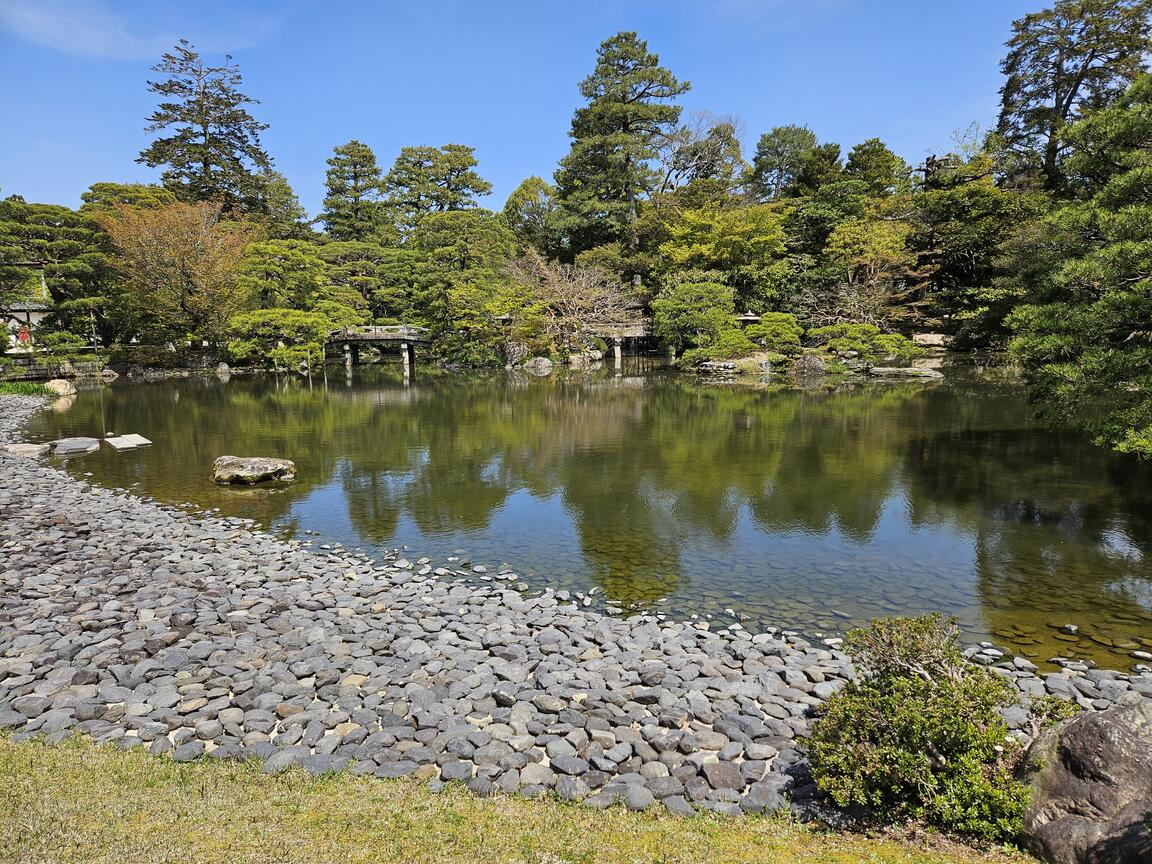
{"x": 726, "y": 345}
{"x": 867, "y": 340}
{"x": 919, "y": 735}
{"x": 284, "y": 338}
{"x": 777, "y": 332}
{"x": 24, "y": 388}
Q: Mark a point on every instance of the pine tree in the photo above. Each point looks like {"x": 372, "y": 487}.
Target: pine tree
{"x": 614, "y": 139}
{"x": 872, "y": 162}
{"x": 353, "y": 209}
{"x": 427, "y": 180}
{"x": 1063, "y": 64}
{"x": 779, "y": 157}
{"x": 214, "y": 154}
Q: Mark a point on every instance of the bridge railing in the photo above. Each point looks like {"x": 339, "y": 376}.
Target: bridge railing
{"x": 379, "y": 331}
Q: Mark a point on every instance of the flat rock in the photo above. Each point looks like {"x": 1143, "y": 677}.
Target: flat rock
{"x": 250, "y": 470}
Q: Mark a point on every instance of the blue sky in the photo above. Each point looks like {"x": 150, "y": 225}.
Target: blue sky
{"x": 499, "y": 76}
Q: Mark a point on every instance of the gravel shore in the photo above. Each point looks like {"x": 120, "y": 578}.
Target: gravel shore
{"x": 192, "y": 636}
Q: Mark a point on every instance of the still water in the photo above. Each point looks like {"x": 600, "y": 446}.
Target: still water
{"x": 812, "y": 508}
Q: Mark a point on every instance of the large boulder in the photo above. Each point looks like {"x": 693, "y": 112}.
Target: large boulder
{"x": 250, "y": 470}
{"x": 1091, "y": 789}
{"x": 61, "y": 387}
{"x": 809, "y": 366}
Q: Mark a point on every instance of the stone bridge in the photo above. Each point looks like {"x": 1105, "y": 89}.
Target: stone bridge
{"x": 351, "y": 339}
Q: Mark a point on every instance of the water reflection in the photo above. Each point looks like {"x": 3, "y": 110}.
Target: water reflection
{"x": 807, "y": 507}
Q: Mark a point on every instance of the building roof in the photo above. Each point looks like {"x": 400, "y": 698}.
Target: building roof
{"x": 26, "y": 306}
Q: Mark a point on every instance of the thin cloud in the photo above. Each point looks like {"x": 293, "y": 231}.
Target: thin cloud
{"x": 89, "y": 28}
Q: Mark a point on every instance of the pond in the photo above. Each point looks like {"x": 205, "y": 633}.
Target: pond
{"x": 805, "y": 508}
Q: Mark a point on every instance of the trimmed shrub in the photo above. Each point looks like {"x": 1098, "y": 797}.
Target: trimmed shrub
{"x": 726, "y": 345}
{"x": 867, "y": 340}
{"x": 777, "y": 332}
{"x": 919, "y": 735}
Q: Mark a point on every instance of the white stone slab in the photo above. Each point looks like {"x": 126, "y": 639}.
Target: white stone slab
{"x": 137, "y": 440}
{"x": 121, "y": 443}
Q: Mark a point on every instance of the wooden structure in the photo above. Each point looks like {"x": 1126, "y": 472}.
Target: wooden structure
{"x": 404, "y": 336}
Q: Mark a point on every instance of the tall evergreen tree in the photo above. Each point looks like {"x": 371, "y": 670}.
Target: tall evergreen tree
{"x": 530, "y": 213}
{"x": 614, "y": 139}
{"x": 353, "y": 209}
{"x": 872, "y": 162}
{"x": 779, "y": 157}
{"x": 1062, "y": 64}
{"x": 427, "y": 180}
{"x": 818, "y": 166}
{"x": 214, "y": 152}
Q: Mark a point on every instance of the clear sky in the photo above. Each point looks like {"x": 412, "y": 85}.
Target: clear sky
{"x": 499, "y": 76}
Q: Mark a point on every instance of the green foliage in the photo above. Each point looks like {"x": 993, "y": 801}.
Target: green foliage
{"x": 426, "y": 180}
{"x": 729, "y": 343}
{"x": 105, "y": 196}
{"x": 1086, "y": 337}
{"x": 1063, "y": 64}
{"x": 530, "y": 213}
{"x": 693, "y": 314}
{"x": 214, "y": 152}
{"x": 286, "y": 273}
{"x": 872, "y": 162}
{"x": 615, "y": 138}
{"x": 779, "y": 157}
{"x": 776, "y": 332}
{"x": 919, "y": 735}
{"x": 283, "y": 214}
{"x": 284, "y": 338}
{"x": 818, "y": 167}
{"x": 867, "y": 340}
{"x": 353, "y": 209}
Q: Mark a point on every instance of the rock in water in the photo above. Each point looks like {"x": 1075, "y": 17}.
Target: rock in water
{"x": 61, "y": 387}
{"x": 1091, "y": 784}
{"x": 75, "y": 446}
{"x": 249, "y": 470}
{"x": 539, "y": 366}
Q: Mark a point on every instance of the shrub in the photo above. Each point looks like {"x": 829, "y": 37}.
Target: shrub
{"x": 919, "y": 735}
{"x": 286, "y": 338}
{"x": 726, "y": 345}
{"x": 692, "y": 314}
{"x": 867, "y": 340}
{"x": 777, "y": 332}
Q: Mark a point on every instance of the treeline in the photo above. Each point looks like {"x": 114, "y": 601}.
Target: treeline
{"x": 1034, "y": 236}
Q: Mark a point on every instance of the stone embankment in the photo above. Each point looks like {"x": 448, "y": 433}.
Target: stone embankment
{"x": 143, "y": 626}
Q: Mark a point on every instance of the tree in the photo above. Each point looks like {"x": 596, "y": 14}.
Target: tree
{"x": 179, "y": 263}
{"x": 427, "y": 180}
{"x": 1063, "y": 64}
{"x": 746, "y": 244}
{"x": 818, "y": 167}
{"x": 572, "y": 301}
{"x": 692, "y": 314}
{"x": 614, "y": 140}
{"x": 1085, "y": 338}
{"x": 353, "y": 209}
{"x": 214, "y": 153}
{"x": 288, "y": 339}
{"x": 286, "y": 218}
{"x": 872, "y": 162}
{"x": 779, "y": 158}
{"x": 105, "y": 196}
{"x": 530, "y": 213}
{"x": 705, "y": 150}
{"x": 46, "y": 246}
{"x": 283, "y": 273}
{"x": 875, "y": 266}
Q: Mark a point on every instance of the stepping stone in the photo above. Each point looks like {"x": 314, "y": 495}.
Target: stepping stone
{"x": 137, "y": 440}
{"x": 120, "y": 443}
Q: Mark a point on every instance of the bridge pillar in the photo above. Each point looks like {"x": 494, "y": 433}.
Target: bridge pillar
{"x": 408, "y": 355}
{"x": 348, "y": 355}
{"x": 617, "y": 351}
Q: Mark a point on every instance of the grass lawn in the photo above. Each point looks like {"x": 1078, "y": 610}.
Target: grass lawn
{"x": 82, "y": 803}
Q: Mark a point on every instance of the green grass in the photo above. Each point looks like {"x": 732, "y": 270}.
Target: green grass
{"x": 24, "y": 388}
{"x": 81, "y": 803}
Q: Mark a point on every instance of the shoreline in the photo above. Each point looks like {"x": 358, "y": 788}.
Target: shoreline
{"x": 141, "y": 624}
